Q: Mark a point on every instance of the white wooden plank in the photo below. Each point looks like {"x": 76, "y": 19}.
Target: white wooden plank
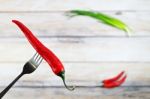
{"x": 80, "y": 49}
{"x": 59, "y": 5}
{"x": 56, "y": 24}
{"x": 79, "y": 74}
{"x": 82, "y": 93}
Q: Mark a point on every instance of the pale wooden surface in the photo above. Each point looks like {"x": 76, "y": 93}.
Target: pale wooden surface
{"x": 90, "y": 51}
{"x": 56, "y": 24}
{"x": 59, "y": 5}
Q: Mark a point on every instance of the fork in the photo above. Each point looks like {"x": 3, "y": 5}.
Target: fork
{"x": 29, "y": 67}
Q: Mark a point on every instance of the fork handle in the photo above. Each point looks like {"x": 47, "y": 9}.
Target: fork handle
{"x": 10, "y": 85}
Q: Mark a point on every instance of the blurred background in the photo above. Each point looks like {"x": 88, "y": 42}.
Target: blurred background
{"x": 90, "y": 51}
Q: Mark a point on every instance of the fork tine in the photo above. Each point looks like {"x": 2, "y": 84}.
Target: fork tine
{"x": 39, "y": 60}
{"x": 34, "y": 55}
{"x": 36, "y": 59}
{"x": 37, "y": 55}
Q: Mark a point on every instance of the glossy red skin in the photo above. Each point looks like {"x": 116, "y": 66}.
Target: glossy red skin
{"x": 115, "y": 83}
{"x": 48, "y": 55}
{"x": 114, "y": 78}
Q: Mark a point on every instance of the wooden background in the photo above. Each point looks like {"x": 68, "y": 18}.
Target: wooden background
{"x": 90, "y": 51}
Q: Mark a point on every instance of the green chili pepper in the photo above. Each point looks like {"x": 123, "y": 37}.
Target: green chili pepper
{"x": 101, "y": 17}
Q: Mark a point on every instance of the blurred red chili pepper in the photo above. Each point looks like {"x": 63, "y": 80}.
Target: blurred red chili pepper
{"x": 115, "y": 83}
{"x": 48, "y": 55}
{"x": 114, "y": 78}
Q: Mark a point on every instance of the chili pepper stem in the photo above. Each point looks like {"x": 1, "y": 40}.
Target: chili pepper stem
{"x": 62, "y": 75}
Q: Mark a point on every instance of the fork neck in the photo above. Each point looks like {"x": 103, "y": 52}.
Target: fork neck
{"x": 28, "y": 68}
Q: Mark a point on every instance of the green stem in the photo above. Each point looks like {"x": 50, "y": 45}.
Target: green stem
{"x": 62, "y": 75}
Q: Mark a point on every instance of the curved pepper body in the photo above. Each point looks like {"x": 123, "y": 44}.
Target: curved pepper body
{"x": 115, "y": 83}
{"x": 114, "y": 78}
{"x": 48, "y": 55}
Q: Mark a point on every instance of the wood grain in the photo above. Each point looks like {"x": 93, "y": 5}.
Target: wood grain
{"x": 79, "y": 93}
{"x": 43, "y": 84}
{"x": 90, "y": 51}
{"x": 61, "y": 5}
{"x": 80, "y": 49}
{"x": 80, "y": 74}
{"x": 56, "y": 24}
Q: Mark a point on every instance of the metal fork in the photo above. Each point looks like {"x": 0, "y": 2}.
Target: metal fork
{"x": 29, "y": 67}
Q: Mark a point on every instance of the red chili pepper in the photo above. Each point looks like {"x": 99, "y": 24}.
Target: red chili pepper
{"x": 115, "y": 83}
{"x": 48, "y": 55}
{"x": 114, "y": 78}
